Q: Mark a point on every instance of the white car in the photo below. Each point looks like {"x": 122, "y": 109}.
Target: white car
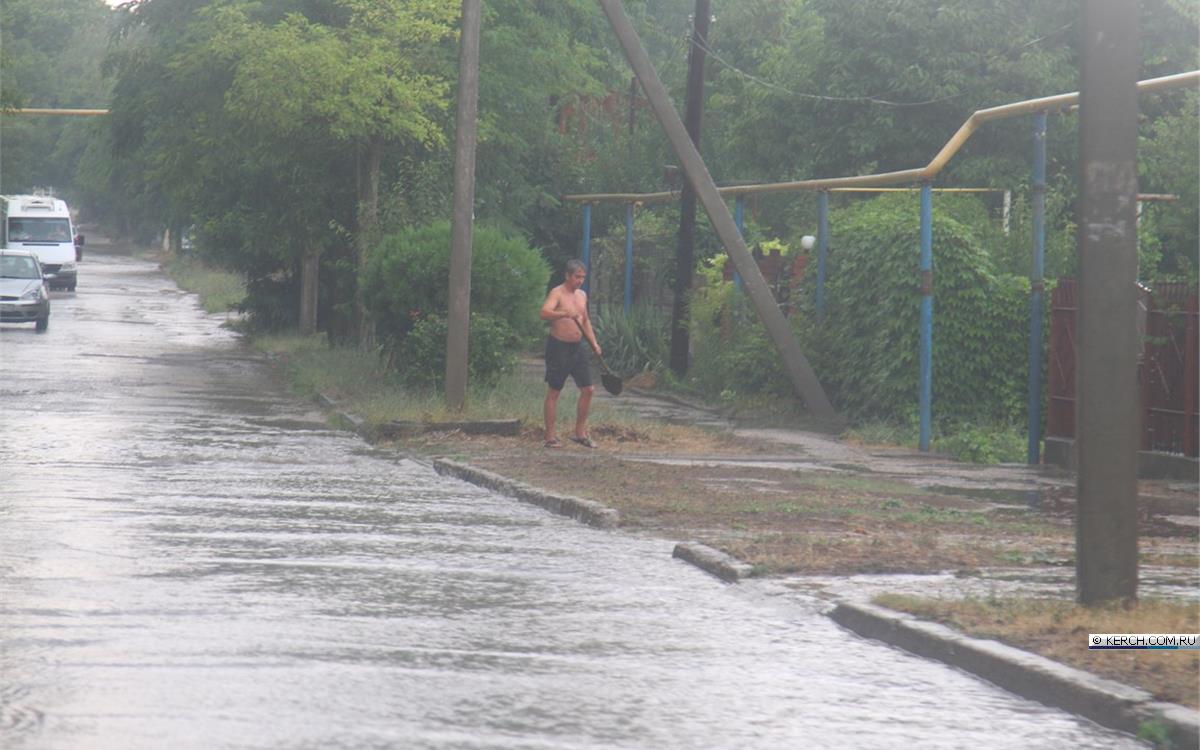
{"x": 24, "y": 297}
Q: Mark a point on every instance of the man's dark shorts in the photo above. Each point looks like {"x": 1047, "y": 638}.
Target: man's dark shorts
{"x": 565, "y": 358}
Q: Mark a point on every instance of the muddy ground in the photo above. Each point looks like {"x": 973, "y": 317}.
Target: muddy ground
{"x": 779, "y": 509}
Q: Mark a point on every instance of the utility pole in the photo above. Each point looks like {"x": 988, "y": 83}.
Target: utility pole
{"x": 685, "y": 252}
{"x": 459, "y": 313}
{"x": 1106, "y": 417}
{"x": 805, "y": 381}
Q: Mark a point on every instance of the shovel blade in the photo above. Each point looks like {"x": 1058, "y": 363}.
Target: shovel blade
{"x": 612, "y": 383}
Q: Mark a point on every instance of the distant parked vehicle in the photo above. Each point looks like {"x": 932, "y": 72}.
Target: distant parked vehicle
{"x": 24, "y": 297}
{"x": 42, "y": 225}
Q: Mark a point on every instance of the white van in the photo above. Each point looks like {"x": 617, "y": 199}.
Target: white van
{"x": 42, "y": 225}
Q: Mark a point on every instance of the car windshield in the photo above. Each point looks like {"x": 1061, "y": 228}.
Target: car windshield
{"x": 39, "y": 230}
{"x": 18, "y": 267}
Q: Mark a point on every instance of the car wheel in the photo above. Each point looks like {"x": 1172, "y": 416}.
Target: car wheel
{"x": 70, "y": 287}
{"x": 42, "y": 324}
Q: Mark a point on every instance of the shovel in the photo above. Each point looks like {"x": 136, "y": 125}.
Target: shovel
{"x": 611, "y": 382}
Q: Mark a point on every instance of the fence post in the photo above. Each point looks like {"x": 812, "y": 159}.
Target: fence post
{"x": 628, "y": 256}
{"x": 587, "y": 245}
{"x": 822, "y": 249}
{"x": 1037, "y": 286}
{"x": 926, "y": 313}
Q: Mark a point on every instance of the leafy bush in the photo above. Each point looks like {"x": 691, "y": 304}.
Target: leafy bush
{"x": 270, "y": 303}
{"x": 634, "y": 342}
{"x": 867, "y": 349}
{"x": 984, "y": 444}
{"x": 421, "y": 357}
{"x": 408, "y": 276}
{"x": 732, "y": 354}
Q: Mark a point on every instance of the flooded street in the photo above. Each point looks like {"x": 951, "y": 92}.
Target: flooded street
{"x": 190, "y": 558}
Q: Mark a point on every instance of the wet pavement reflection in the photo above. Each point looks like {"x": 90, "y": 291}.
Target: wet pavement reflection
{"x": 189, "y": 558}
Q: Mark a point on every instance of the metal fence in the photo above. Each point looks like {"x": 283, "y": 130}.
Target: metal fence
{"x": 1167, "y": 367}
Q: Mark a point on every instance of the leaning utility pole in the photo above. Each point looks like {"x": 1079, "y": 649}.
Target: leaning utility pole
{"x": 1106, "y": 417}
{"x": 685, "y": 252}
{"x": 799, "y": 371}
{"x": 459, "y": 313}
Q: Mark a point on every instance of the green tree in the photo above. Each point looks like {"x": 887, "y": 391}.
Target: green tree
{"x": 374, "y": 81}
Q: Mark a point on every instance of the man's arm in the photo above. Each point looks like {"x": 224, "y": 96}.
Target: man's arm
{"x": 550, "y": 309}
{"x": 586, "y": 323}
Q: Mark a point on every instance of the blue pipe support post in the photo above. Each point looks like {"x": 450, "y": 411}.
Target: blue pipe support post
{"x": 739, "y": 218}
{"x": 822, "y": 249}
{"x": 628, "y": 257}
{"x": 587, "y": 244}
{"x": 926, "y": 313}
{"x": 1037, "y": 286}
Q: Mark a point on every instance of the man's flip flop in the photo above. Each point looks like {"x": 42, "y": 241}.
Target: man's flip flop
{"x": 555, "y": 443}
{"x": 586, "y": 442}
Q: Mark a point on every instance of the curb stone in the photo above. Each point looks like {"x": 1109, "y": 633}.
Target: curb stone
{"x": 1104, "y": 701}
{"x": 712, "y": 561}
{"x": 587, "y": 511}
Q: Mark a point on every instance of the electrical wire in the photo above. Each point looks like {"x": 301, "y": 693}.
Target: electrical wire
{"x": 701, "y": 44}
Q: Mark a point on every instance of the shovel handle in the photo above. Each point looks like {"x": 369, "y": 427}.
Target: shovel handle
{"x": 603, "y": 366}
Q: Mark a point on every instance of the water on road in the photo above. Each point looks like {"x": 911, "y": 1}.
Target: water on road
{"x": 190, "y": 558}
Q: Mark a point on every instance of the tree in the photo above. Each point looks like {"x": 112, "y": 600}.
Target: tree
{"x": 370, "y": 83}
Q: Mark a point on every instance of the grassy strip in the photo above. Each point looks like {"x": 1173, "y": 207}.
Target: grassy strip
{"x": 360, "y": 380}
{"x": 219, "y": 290}
{"x": 983, "y": 443}
{"x": 1057, "y": 629}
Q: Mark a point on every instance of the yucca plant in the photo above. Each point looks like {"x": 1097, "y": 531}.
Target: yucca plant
{"x": 635, "y": 342}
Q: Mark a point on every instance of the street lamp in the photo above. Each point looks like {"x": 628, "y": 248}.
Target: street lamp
{"x": 807, "y": 242}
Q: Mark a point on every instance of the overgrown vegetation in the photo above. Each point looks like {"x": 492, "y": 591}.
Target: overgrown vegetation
{"x": 219, "y": 290}
{"x": 635, "y": 342}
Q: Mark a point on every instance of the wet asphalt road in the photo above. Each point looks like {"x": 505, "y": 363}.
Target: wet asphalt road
{"x": 189, "y": 558}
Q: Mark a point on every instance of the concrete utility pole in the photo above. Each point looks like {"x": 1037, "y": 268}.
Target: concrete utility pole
{"x": 459, "y": 314}
{"x": 1106, "y": 415}
{"x": 685, "y": 252}
{"x": 802, "y": 376}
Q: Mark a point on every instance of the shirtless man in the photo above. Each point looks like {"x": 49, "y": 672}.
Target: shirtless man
{"x": 566, "y": 309}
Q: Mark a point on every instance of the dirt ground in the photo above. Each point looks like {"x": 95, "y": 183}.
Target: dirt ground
{"x": 787, "y": 520}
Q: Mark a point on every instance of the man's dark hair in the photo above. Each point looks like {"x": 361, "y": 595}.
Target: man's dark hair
{"x": 574, "y": 265}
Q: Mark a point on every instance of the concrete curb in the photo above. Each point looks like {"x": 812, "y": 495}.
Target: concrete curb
{"x": 712, "y": 561}
{"x": 1105, "y": 702}
{"x": 587, "y": 511}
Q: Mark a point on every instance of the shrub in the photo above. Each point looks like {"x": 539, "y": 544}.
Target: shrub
{"x": 984, "y": 444}
{"x": 421, "y": 357}
{"x": 408, "y": 276}
{"x": 732, "y": 354}
{"x": 867, "y": 349}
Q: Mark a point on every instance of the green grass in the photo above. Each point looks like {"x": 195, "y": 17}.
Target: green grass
{"x": 982, "y": 443}
{"x": 850, "y": 483}
{"x": 361, "y": 383}
{"x": 219, "y": 290}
